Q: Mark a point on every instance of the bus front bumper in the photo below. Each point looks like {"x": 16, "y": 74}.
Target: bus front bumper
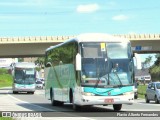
{"x": 24, "y": 89}
{"x": 104, "y": 100}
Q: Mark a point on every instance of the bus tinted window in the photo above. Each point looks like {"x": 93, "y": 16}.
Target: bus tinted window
{"x": 91, "y": 50}
{"x": 117, "y": 50}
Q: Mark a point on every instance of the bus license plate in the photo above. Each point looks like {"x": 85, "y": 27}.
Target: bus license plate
{"x": 109, "y": 100}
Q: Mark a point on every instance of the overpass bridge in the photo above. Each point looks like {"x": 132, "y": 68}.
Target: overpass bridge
{"x": 12, "y": 47}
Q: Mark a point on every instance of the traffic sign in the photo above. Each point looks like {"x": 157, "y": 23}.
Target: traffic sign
{"x": 138, "y": 48}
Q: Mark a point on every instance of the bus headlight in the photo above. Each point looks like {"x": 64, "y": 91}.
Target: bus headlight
{"x": 88, "y": 94}
{"x": 15, "y": 85}
{"x": 135, "y": 90}
{"x": 33, "y": 86}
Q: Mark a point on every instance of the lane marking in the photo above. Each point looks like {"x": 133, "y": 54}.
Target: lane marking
{"x": 49, "y": 110}
{"x": 30, "y": 103}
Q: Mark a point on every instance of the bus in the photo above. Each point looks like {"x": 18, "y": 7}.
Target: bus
{"x": 24, "y": 77}
{"x": 80, "y": 71}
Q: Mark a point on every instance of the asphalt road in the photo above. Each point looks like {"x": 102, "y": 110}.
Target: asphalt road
{"x": 38, "y": 102}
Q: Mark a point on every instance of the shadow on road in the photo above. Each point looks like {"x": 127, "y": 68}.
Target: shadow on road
{"x": 64, "y": 108}
{"x": 67, "y": 110}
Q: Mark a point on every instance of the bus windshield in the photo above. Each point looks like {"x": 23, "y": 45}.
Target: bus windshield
{"x": 117, "y": 50}
{"x": 99, "y": 62}
{"x": 24, "y": 76}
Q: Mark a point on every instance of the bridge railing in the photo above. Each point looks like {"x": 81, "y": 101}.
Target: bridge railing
{"x": 41, "y": 39}
{"x": 140, "y": 36}
{"x": 6, "y": 40}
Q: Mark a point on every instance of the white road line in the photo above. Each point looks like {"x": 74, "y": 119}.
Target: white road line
{"x": 47, "y": 109}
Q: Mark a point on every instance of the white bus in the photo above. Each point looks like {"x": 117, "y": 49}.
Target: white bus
{"x": 24, "y": 77}
{"x": 80, "y": 71}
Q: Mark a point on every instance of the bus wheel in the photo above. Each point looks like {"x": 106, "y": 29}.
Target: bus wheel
{"x": 117, "y": 107}
{"x": 75, "y": 107}
{"x": 60, "y": 103}
{"x": 14, "y": 92}
{"x": 53, "y": 102}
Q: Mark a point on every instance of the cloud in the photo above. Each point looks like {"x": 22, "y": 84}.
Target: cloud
{"x": 120, "y": 17}
{"x": 87, "y": 8}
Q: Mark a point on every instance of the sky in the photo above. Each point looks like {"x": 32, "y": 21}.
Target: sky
{"x": 73, "y": 17}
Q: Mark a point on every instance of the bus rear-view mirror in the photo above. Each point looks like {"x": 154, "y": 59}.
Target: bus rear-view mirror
{"x": 78, "y": 62}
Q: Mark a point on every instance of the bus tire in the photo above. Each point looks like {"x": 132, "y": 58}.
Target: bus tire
{"x": 117, "y": 107}
{"x": 53, "y": 102}
{"x": 135, "y": 97}
{"x": 14, "y": 92}
{"x": 74, "y": 106}
{"x": 59, "y": 103}
{"x": 77, "y": 107}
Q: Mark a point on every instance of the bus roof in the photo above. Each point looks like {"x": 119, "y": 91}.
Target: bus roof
{"x": 101, "y": 37}
{"x": 25, "y": 65}
{"x": 93, "y": 37}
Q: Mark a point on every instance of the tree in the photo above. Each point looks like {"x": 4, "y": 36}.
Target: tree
{"x": 20, "y": 59}
{"x": 157, "y": 62}
{"x": 40, "y": 62}
{"x": 155, "y": 69}
{"x": 147, "y": 61}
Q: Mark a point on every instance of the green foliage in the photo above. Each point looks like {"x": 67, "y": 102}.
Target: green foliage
{"x": 6, "y": 118}
{"x": 147, "y": 61}
{"x": 157, "y": 62}
{"x": 5, "y": 78}
{"x": 20, "y": 59}
{"x": 142, "y": 91}
{"x": 38, "y": 69}
{"x": 3, "y": 71}
{"x": 40, "y": 61}
{"x": 155, "y": 69}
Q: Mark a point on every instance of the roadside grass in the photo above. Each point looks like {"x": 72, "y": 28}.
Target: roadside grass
{"x": 6, "y": 118}
{"x": 5, "y": 78}
{"x": 142, "y": 91}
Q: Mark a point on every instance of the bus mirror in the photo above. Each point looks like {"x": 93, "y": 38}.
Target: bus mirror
{"x": 78, "y": 62}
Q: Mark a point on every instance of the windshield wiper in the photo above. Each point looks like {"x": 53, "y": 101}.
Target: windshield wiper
{"x": 108, "y": 79}
{"x": 119, "y": 80}
{"x": 97, "y": 74}
{"x": 97, "y": 82}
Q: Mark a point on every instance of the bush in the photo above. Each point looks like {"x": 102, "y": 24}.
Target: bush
{"x": 3, "y": 71}
{"x": 6, "y": 118}
{"x": 38, "y": 69}
{"x": 142, "y": 90}
{"x": 5, "y": 78}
